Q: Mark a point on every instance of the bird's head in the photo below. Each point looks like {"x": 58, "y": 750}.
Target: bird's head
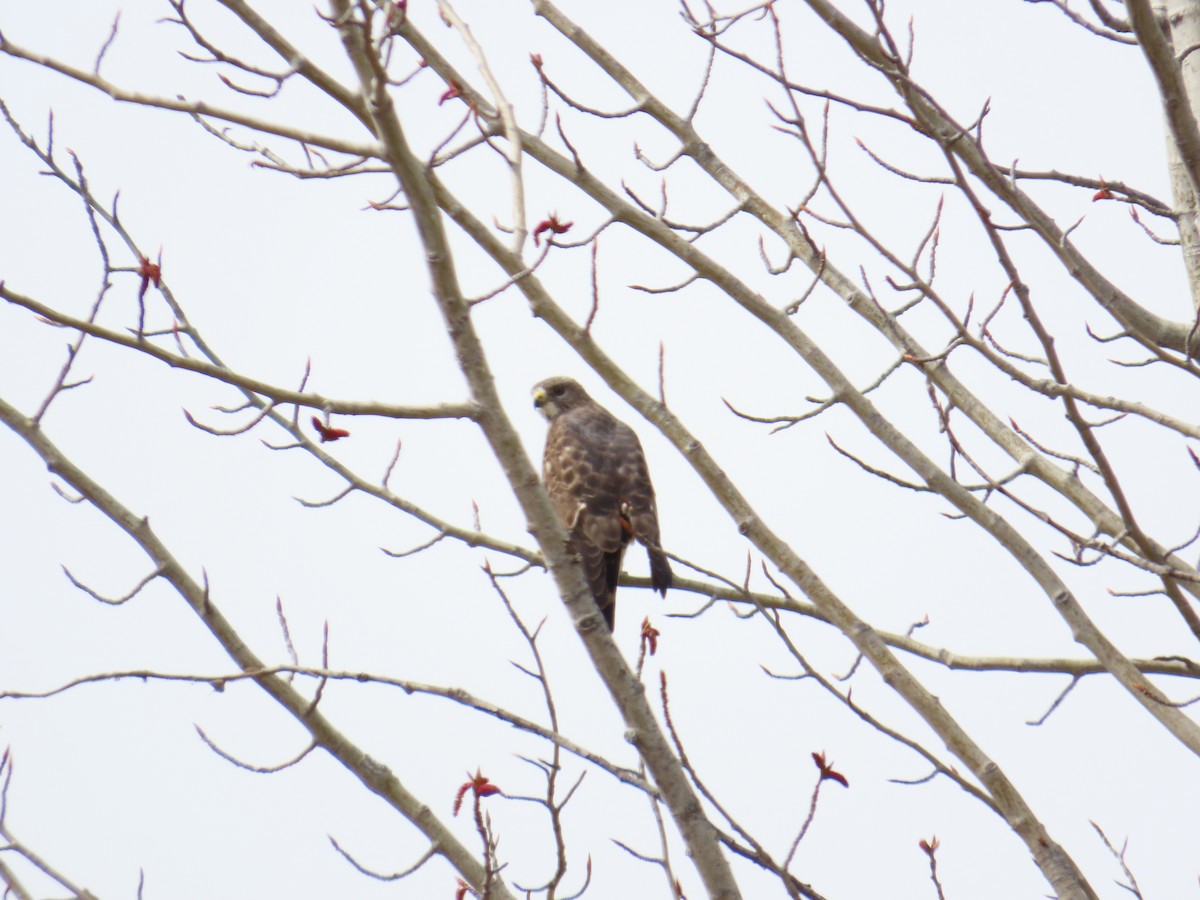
{"x": 556, "y": 395}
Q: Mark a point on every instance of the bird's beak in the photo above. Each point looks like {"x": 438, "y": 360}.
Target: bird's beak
{"x": 539, "y": 398}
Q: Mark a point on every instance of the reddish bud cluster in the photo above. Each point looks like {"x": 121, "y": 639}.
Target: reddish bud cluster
{"x": 149, "y": 272}
{"x": 477, "y": 783}
{"x": 553, "y": 224}
{"x": 827, "y": 770}
{"x": 650, "y": 636}
{"x": 327, "y": 432}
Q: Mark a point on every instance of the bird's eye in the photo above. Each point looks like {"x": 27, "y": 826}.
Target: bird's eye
{"x": 558, "y": 390}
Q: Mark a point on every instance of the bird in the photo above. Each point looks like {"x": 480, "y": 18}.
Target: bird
{"x": 596, "y": 475}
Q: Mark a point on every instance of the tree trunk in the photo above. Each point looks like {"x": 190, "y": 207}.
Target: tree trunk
{"x": 1183, "y": 28}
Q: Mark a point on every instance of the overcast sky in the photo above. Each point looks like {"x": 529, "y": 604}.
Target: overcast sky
{"x": 111, "y": 779}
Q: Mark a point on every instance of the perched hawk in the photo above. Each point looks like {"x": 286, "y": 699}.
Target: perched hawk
{"x": 596, "y": 476}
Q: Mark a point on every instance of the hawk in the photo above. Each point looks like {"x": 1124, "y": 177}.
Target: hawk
{"x": 596, "y": 476}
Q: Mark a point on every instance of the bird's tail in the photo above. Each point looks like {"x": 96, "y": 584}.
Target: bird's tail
{"x": 660, "y": 571}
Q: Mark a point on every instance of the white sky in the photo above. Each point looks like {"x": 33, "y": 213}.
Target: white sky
{"x": 111, "y": 779}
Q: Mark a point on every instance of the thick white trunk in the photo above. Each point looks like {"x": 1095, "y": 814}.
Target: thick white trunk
{"x": 1183, "y": 21}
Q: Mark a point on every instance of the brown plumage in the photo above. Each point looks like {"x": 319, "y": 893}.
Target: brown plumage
{"x": 596, "y": 476}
